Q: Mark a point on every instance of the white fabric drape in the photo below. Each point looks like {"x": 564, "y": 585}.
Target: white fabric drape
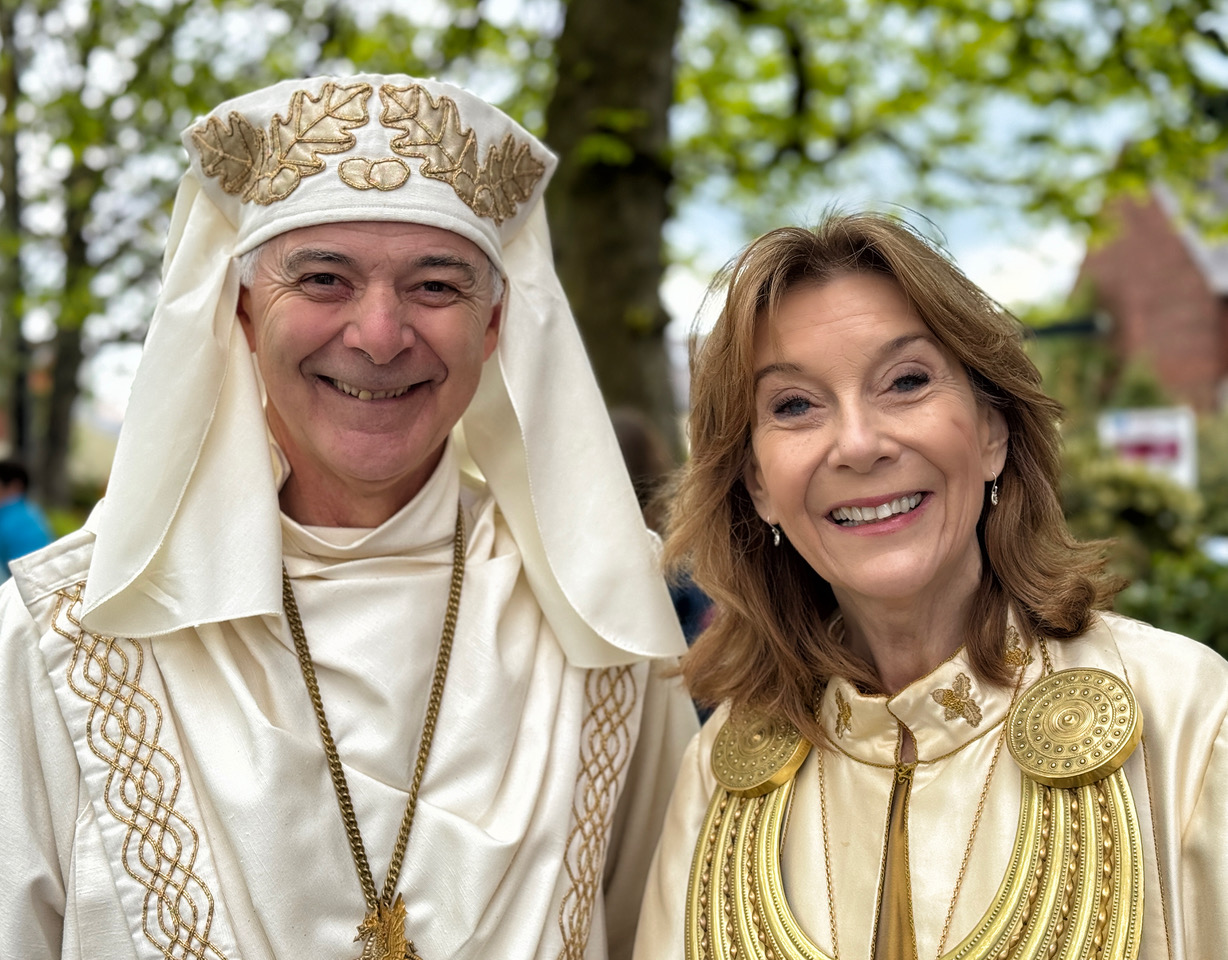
{"x": 493, "y": 856}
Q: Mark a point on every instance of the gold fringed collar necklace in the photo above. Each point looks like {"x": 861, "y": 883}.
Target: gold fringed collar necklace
{"x": 1073, "y": 885}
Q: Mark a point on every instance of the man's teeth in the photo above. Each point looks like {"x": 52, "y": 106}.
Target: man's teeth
{"x": 361, "y": 394}
{"x": 852, "y": 516}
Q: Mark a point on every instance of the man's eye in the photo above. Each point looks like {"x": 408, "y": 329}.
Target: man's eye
{"x": 321, "y": 279}
{"x": 437, "y": 286}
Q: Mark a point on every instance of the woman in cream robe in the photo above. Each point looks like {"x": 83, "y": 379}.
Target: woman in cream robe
{"x": 931, "y": 743}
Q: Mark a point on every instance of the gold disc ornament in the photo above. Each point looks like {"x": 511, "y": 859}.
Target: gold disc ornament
{"x": 754, "y": 754}
{"x": 1074, "y": 727}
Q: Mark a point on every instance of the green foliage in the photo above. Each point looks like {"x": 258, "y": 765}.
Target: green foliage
{"x": 1156, "y": 526}
{"x": 1146, "y": 513}
{"x": 1186, "y": 593}
{"x": 928, "y": 102}
{"x": 1213, "y": 472}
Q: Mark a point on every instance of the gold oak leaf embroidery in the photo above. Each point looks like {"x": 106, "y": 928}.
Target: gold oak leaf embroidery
{"x": 844, "y": 715}
{"x": 1015, "y": 655}
{"x": 432, "y": 131}
{"x": 264, "y": 168}
{"x": 957, "y": 702}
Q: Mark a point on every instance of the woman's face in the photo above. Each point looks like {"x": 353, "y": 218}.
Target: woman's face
{"x": 868, "y": 446}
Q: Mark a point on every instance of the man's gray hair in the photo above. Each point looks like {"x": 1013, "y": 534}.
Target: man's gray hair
{"x": 248, "y": 262}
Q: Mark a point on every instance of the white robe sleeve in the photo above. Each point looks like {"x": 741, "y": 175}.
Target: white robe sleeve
{"x": 1204, "y": 859}
{"x": 667, "y": 724}
{"x": 39, "y": 792}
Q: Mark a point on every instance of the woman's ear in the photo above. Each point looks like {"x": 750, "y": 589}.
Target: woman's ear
{"x": 752, "y": 477}
{"x": 994, "y": 441}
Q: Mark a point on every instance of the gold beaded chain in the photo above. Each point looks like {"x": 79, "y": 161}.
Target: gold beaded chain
{"x": 382, "y": 906}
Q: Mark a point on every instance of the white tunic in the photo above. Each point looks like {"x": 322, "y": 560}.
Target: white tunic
{"x": 1178, "y": 777}
{"x": 169, "y": 797}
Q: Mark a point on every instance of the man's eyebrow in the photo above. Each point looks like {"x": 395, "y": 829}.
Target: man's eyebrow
{"x": 305, "y": 255}
{"x": 447, "y": 260}
{"x": 310, "y": 255}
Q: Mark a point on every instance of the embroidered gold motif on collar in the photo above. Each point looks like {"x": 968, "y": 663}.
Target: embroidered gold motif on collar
{"x": 432, "y": 130}
{"x": 1072, "y": 887}
{"x": 1015, "y": 655}
{"x": 844, "y": 715}
{"x": 266, "y": 168}
{"x": 957, "y": 701}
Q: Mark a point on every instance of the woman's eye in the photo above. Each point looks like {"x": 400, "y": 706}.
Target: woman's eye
{"x": 791, "y": 407}
{"x": 909, "y": 382}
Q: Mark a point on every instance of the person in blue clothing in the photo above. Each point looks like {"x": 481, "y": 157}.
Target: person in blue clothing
{"x": 23, "y": 528}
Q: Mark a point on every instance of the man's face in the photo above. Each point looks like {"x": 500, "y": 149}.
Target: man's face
{"x": 370, "y": 339}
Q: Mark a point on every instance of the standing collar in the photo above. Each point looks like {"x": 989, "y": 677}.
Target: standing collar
{"x": 944, "y": 710}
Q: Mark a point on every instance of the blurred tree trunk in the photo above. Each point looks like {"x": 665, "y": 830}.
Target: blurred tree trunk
{"x": 608, "y": 121}
{"x": 13, "y": 351}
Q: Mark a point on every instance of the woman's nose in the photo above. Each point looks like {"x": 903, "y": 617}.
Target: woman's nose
{"x": 861, "y": 440}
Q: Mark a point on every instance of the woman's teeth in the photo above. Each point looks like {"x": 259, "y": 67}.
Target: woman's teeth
{"x": 361, "y": 394}
{"x": 855, "y": 516}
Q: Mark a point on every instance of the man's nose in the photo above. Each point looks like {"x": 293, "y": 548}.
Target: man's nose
{"x": 380, "y": 326}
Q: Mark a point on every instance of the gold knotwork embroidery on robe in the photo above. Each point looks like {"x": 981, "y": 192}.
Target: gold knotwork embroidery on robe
{"x": 610, "y": 695}
{"x": 124, "y": 730}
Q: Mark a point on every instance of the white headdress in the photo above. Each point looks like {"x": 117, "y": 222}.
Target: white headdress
{"x": 190, "y": 530}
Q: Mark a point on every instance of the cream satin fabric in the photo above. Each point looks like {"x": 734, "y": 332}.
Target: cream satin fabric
{"x": 485, "y": 871}
{"x": 1182, "y": 689}
{"x": 193, "y": 447}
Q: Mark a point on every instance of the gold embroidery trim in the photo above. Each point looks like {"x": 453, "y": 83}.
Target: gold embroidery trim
{"x": 123, "y": 729}
{"x": 1072, "y": 889}
{"x": 605, "y": 750}
{"x": 957, "y": 701}
{"x": 1015, "y": 655}
{"x": 264, "y": 168}
{"x": 844, "y": 715}
{"x": 432, "y": 130}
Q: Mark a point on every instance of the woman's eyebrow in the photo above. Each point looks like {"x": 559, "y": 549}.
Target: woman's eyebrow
{"x": 899, "y": 343}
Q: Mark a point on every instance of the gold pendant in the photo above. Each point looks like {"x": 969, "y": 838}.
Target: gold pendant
{"x": 383, "y": 933}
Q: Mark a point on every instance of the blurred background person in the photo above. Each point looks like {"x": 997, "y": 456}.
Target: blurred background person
{"x": 918, "y": 674}
{"x": 649, "y": 463}
{"x": 23, "y": 527}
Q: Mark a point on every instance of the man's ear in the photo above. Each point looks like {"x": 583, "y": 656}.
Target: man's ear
{"x": 243, "y": 312}
{"x": 492, "y": 330}
{"x": 752, "y": 477}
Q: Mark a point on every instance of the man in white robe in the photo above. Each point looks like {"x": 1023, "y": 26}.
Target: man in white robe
{"x": 360, "y": 336}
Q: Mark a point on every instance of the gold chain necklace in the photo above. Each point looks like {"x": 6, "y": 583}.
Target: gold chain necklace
{"x": 963, "y": 866}
{"x": 383, "y": 928}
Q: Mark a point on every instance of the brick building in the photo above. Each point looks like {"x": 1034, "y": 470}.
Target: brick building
{"x": 1165, "y": 290}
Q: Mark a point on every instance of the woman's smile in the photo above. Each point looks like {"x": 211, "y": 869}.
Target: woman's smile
{"x": 876, "y": 510}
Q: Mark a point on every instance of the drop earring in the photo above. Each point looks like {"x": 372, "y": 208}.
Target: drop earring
{"x": 775, "y": 534}
{"x": 993, "y": 491}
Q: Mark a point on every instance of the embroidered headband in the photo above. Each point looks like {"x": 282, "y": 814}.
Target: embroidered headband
{"x": 327, "y": 150}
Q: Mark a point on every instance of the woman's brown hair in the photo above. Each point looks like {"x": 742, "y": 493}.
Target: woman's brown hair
{"x": 770, "y": 644}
